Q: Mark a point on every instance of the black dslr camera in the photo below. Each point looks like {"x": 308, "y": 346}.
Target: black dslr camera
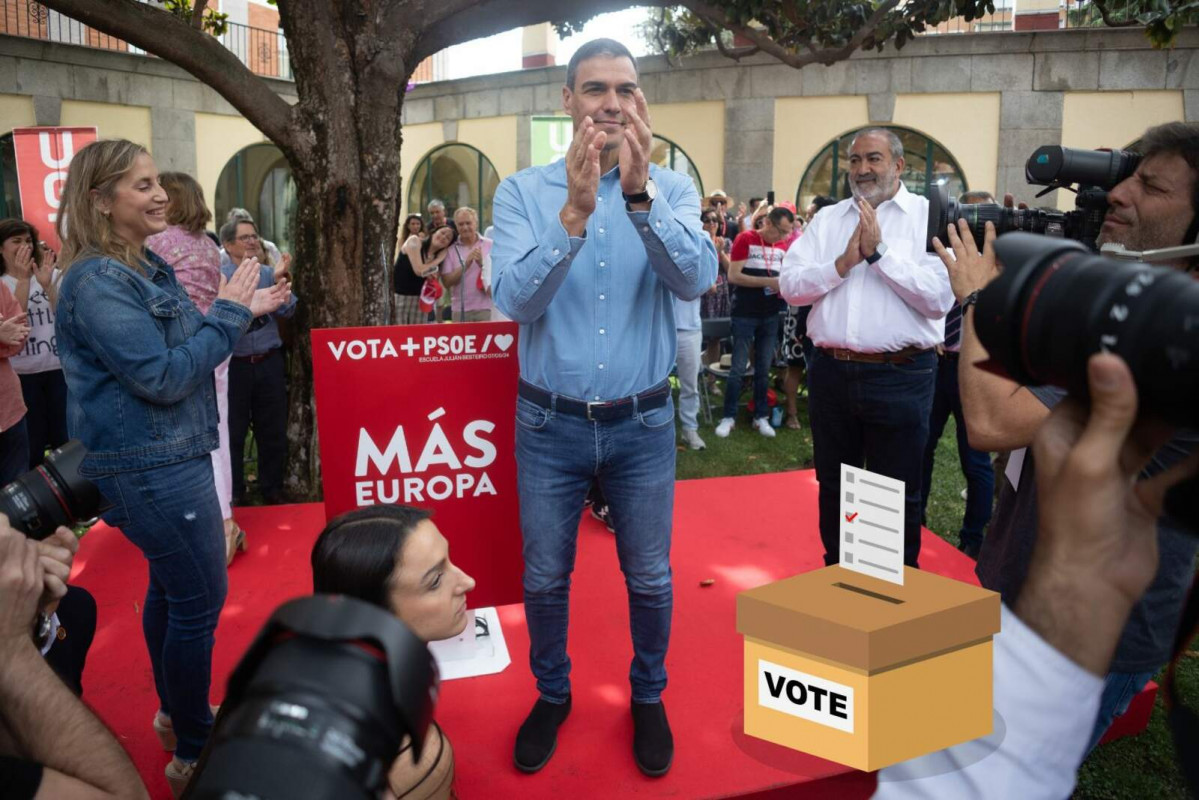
{"x": 53, "y": 494}
{"x": 319, "y": 706}
{"x": 1090, "y": 174}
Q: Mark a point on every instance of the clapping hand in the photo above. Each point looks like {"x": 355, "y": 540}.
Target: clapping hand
{"x": 23, "y": 265}
{"x": 582, "y": 176}
{"x": 853, "y": 253}
{"x": 44, "y": 270}
{"x": 283, "y": 268}
{"x": 638, "y": 141}
{"x": 14, "y": 330}
{"x": 241, "y": 287}
{"x": 273, "y": 297}
{"x": 871, "y": 234}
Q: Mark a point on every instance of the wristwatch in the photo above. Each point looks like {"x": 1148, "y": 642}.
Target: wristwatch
{"x": 969, "y": 300}
{"x": 644, "y": 196}
{"x": 43, "y": 627}
{"x": 878, "y": 253}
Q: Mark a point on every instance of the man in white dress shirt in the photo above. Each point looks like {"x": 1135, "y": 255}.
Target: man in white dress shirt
{"x": 878, "y": 310}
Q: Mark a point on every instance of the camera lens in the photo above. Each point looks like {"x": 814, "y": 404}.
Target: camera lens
{"x": 54, "y": 494}
{"x": 1055, "y": 304}
{"x": 944, "y": 211}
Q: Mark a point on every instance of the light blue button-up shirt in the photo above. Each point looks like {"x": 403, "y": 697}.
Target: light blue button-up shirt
{"x": 596, "y": 312}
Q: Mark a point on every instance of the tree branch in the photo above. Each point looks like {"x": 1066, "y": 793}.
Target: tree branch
{"x": 829, "y": 55}
{"x": 174, "y": 40}
{"x": 736, "y": 53}
{"x": 455, "y": 21}
{"x": 1107, "y": 19}
{"x": 198, "y": 14}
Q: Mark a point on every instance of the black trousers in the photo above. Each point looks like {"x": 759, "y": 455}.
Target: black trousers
{"x": 46, "y": 398}
{"x": 77, "y": 627}
{"x": 873, "y": 416}
{"x": 258, "y": 397}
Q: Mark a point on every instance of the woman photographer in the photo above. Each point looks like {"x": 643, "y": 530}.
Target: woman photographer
{"x": 139, "y": 360}
{"x": 395, "y": 558}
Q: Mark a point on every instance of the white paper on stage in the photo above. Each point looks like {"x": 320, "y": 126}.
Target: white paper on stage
{"x": 472, "y": 652}
{"x": 872, "y": 524}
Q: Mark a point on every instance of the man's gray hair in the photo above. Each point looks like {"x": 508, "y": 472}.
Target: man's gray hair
{"x": 229, "y": 229}
{"x": 241, "y": 214}
{"x": 596, "y": 47}
{"x": 435, "y": 203}
{"x": 892, "y": 140}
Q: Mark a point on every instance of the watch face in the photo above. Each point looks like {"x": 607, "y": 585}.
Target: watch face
{"x": 651, "y": 188}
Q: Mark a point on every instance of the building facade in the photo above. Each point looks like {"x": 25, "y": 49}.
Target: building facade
{"x": 971, "y": 108}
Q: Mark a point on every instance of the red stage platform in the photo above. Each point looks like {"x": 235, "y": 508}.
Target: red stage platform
{"x": 741, "y": 532}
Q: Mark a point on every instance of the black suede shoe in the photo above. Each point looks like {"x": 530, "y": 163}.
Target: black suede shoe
{"x": 538, "y": 736}
{"x": 653, "y": 744}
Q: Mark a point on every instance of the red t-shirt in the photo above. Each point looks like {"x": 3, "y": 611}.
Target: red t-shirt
{"x": 762, "y": 260}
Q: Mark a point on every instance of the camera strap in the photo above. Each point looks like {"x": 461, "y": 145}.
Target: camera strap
{"x": 1184, "y": 721}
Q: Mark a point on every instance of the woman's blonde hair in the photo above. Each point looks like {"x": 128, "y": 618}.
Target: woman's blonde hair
{"x": 185, "y": 207}
{"x": 82, "y": 228}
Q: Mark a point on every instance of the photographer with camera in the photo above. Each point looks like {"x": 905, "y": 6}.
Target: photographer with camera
{"x": 1157, "y": 206}
{"x": 51, "y": 746}
{"x": 1095, "y": 554}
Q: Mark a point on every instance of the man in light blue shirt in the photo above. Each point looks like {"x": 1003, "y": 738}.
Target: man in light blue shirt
{"x": 589, "y": 253}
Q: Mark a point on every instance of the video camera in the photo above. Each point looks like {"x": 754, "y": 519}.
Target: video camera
{"x": 54, "y": 494}
{"x": 1090, "y": 174}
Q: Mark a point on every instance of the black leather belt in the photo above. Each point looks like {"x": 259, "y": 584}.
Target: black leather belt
{"x": 599, "y": 410}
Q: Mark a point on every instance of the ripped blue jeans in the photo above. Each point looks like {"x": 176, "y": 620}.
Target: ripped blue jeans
{"x": 172, "y": 515}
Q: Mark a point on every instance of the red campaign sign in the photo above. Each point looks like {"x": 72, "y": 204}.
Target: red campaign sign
{"x": 425, "y": 415}
{"x": 43, "y": 155}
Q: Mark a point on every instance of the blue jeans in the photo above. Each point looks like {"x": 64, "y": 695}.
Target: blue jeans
{"x": 976, "y": 465}
{"x": 873, "y": 416}
{"x": 558, "y": 456}
{"x": 172, "y": 515}
{"x": 763, "y": 334}
{"x": 1119, "y": 688}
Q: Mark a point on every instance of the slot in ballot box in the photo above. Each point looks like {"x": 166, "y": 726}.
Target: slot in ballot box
{"x": 865, "y": 672}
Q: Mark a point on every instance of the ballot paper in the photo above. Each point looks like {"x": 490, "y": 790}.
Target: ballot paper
{"x": 479, "y": 650}
{"x": 872, "y": 524}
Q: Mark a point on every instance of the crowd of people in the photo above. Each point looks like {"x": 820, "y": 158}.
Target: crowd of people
{"x": 158, "y": 346}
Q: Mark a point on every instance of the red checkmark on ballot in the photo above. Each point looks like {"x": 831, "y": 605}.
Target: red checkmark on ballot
{"x": 851, "y": 517}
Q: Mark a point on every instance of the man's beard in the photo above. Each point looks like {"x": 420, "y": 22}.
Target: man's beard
{"x": 1144, "y": 235}
{"x": 875, "y": 192}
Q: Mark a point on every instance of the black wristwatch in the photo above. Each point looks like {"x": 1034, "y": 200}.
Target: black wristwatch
{"x": 878, "y": 254}
{"x": 644, "y": 196}
{"x": 969, "y": 300}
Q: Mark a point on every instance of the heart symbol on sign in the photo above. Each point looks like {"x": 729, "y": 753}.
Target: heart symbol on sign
{"x": 503, "y": 341}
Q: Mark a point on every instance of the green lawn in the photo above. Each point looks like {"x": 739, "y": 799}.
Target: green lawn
{"x": 1135, "y": 768}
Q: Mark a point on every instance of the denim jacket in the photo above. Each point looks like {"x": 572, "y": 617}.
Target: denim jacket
{"x": 138, "y": 359}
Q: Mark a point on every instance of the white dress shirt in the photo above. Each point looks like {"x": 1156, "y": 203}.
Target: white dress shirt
{"x": 1045, "y": 708}
{"x": 897, "y": 302}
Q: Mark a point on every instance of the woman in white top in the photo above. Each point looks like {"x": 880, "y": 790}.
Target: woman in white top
{"x": 27, "y": 268}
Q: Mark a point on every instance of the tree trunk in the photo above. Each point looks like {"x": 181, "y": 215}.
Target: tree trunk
{"x": 350, "y": 81}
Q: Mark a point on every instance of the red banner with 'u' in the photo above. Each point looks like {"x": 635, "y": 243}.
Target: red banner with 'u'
{"x": 425, "y": 415}
{"x": 43, "y": 155}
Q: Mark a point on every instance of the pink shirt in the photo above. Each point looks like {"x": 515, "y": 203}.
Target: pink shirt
{"x": 12, "y": 402}
{"x": 196, "y": 260}
{"x": 476, "y": 300}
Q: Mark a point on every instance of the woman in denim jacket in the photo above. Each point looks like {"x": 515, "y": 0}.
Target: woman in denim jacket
{"x": 139, "y": 360}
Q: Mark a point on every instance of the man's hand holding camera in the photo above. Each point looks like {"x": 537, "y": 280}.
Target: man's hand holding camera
{"x": 1096, "y": 550}
{"x": 969, "y": 269}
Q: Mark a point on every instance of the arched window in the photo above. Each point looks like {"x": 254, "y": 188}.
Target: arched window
{"x": 926, "y": 164}
{"x": 666, "y": 153}
{"x": 457, "y": 175}
{"x": 259, "y": 180}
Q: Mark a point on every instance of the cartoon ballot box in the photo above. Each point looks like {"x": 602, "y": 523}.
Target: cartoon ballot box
{"x": 866, "y": 672}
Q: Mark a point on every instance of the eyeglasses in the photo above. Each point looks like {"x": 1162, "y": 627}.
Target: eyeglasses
{"x": 249, "y": 238}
